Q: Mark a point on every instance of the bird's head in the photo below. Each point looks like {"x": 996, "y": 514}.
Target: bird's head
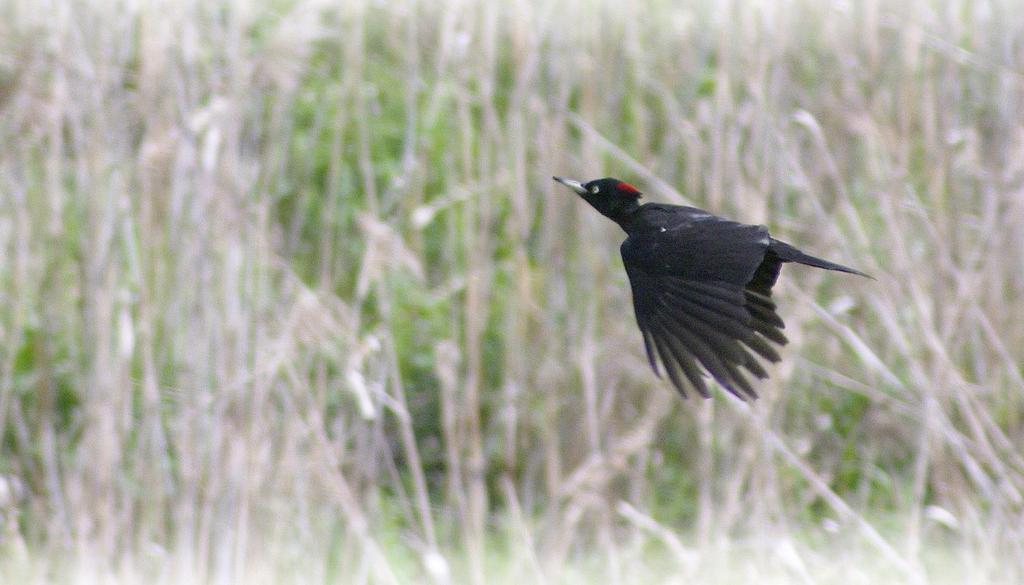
{"x": 612, "y": 197}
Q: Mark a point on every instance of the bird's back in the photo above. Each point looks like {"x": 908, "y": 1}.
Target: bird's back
{"x": 691, "y": 243}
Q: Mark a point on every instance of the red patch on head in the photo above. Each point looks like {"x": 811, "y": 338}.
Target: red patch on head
{"x": 628, "y": 189}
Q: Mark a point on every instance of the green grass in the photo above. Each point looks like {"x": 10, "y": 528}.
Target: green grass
{"x": 288, "y": 293}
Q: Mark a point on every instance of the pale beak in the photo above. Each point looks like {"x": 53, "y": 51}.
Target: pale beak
{"x": 574, "y": 185}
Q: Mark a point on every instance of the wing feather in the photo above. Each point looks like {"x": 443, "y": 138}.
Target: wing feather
{"x": 675, "y": 358}
{"x": 713, "y": 357}
{"x": 720, "y": 328}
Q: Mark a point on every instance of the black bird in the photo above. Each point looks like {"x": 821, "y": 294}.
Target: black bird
{"x": 702, "y": 286}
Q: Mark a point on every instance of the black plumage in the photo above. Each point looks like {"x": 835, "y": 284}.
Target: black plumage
{"x": 702, "y": 287}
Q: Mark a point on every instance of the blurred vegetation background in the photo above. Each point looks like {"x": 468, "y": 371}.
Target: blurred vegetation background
{"x": 288, "y": 294}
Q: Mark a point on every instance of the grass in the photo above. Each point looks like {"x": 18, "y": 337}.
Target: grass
{"x": 288, "y": 293}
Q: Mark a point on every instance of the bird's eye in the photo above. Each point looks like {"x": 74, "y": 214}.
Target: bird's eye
{"x": 595, "y": 189}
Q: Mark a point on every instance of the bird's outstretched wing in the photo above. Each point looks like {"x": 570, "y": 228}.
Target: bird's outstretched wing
{"x": 690, "y": 321}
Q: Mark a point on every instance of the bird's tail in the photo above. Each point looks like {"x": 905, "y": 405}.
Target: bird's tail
{"x": 788, "y": 253}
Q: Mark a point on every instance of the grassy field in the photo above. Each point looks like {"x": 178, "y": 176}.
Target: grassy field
{"x": 287, "y": 293}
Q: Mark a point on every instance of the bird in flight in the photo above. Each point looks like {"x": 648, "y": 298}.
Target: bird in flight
{"x": 702, "y": 286}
